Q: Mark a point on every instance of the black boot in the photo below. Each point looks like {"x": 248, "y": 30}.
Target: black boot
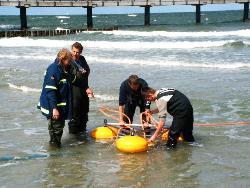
{"x": 172, "y": 142}
{"x": 54, "y": 139}
{"x": 73, "y": 128}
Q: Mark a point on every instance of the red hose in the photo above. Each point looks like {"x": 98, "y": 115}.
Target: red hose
{"x": 221, "y": 124}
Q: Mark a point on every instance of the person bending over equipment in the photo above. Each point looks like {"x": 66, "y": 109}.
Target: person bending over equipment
{"x": 176, "y": 104}
{"x": 130, "y": 97}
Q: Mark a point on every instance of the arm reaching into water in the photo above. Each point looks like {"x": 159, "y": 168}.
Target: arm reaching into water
{"x": 157, "y": 131}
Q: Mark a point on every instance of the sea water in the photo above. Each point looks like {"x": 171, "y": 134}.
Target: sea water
{"x": 210, "y": 63}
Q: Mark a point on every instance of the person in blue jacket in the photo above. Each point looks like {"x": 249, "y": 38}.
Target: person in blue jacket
{"x": 55, "y": 100}
{"x": 130, "y": 97}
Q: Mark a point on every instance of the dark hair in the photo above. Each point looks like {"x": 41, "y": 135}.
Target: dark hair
{"x": 145, "y": 91}
{"x": 133, "y": 79}
{"x": 78, "y": 46}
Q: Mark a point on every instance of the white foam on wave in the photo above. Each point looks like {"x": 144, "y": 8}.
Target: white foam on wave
{"x": 59, "y": 28}
{"x": 106, "y": 97}
{"x": 28, "y": 42}
{"x": 141, "y": 46}
{"x": 3, "y": 26}
{"x": 9, "y": 129}
{"x": 8, "y": 164}
{"x": 130, "y": 61}
{"x": 24, "y": 88}
{"x": 166, "y": 63}
{"x": 40, "y": 57}
{"x": 132, "y": 15}
{"x": 239, "y": 33}
{"x": 63, "y": 17}
{"x": 111, "y": 45}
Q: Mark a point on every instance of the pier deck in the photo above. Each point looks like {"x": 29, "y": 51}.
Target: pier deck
{"x": 111, "y": 3}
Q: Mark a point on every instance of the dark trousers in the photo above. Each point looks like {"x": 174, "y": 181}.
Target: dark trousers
{"x": 79, "y": 119}
{"x": 183, "y": 124}
{"x": 55, "y": 128}
{"x": 130, "y": 110}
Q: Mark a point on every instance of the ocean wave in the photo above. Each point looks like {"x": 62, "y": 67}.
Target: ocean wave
{"x": 40, "y": 57}
{"x": 132, "y": 15}
{"x": 63, "y": 17}
{"x": 7, "y": 164}
{"x": 130, "y": 61}
{"x": 2, "y": 26}
{"x": 237, "y": 44}
{"x": 239, "y": 33}
{"x": 166, "y": 63}
{"x": 108, "y": 45}
{"x": 24, "y": 88}
{"x": 28, "y": 42}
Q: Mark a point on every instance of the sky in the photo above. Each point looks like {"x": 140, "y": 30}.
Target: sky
{"x": 116, "y": 10}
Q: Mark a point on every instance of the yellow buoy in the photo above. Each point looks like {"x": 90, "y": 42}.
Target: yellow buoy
{"x": 104, "y": 132}
{"x": 132, "y": 144}
{"x": 164, "y": 137}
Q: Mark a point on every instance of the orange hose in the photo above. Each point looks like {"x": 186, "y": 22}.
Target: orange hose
{"x": 221, "y": 124}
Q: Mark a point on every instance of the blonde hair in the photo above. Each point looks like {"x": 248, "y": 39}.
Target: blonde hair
{"x": 64, "y": 54}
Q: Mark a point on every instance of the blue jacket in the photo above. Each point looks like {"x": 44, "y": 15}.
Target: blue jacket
{"x": 56, "y": 92}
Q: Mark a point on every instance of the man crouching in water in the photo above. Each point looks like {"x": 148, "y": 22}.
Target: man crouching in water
{"x": 55, "y": 100}
{"x": 176, "y": 104}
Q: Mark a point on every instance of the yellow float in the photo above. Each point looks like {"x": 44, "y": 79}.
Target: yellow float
{"x": 132, "y": 144}
{"x": 104, "y": 132}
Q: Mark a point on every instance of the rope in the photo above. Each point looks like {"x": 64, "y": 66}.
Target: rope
{"x": 105, "y": 110}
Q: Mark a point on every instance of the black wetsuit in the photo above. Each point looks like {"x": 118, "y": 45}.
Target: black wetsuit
{"x": 131, "y": 99}
{"x": 177, "y": 105}
{"x": 80, "y": 98}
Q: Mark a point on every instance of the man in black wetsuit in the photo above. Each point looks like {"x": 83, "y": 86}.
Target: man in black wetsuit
{"x": 177, "y": 105}
{"x": 80, "y": 93}
{"x": 130, "y": 97}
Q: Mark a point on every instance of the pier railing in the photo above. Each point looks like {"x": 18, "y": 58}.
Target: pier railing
{"x": 102, "y": 3}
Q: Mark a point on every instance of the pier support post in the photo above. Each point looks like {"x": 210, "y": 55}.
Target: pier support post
{"x": 246, "y": 12}
{"x": 23, "y": 18}
{"x": 89, "y": 18}
{"x": 147, "y": 15}
{"x": 198, "y": 13}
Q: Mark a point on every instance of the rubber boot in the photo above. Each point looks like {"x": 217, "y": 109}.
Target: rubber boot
{"x": 55, "y": 132}
{"x": 172, "y": 141}
{"x": 73, "y": 128}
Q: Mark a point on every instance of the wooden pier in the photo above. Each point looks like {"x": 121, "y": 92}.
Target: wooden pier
{"x": 90, "y": 4}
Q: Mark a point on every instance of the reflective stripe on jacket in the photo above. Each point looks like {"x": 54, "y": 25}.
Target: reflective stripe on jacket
{"x": 56, "y": 92}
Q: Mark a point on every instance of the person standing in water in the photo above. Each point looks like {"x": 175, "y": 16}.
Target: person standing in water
{"x": 80, "y": 92}
{"x": 55, "y": 100}
{"x": 176, "y": 104}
